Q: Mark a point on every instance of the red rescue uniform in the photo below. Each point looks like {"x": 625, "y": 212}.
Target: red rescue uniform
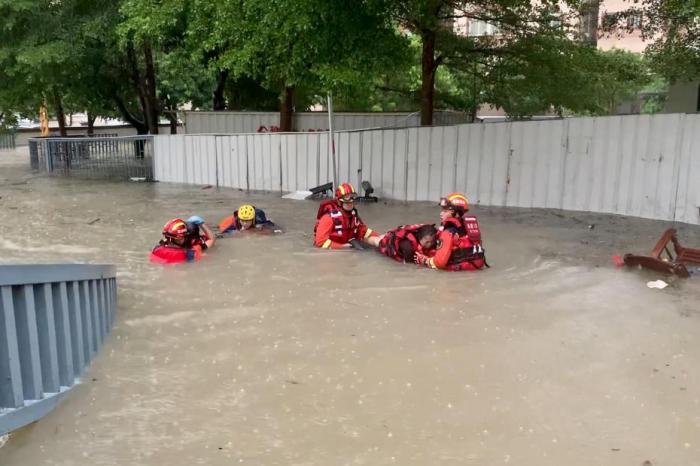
{"x": 335, "y": 227}
{"x": 459, "y": 246}
{"x": 174, "y": 254}
{"x": 390, "y": 243}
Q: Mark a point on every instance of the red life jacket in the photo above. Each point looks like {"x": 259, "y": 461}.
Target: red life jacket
{"x": 467, "y": 248}
{"x": 346, "y": 224}
{"x": 389, "y": 245}
{"x": 172, "y": 254}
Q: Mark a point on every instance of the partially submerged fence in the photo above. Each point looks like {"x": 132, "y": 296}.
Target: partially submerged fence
{"x": 638, "y": 165}
{"x": 111, "y": 157}
{"x": 7, "y": 139}
{"x": 53, "y": 320}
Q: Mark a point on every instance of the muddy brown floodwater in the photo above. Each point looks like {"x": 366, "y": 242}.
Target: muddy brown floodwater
{"x": 271, "y": 352}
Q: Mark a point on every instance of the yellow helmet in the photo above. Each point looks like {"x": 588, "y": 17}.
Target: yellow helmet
{"x": 246, "y": 212}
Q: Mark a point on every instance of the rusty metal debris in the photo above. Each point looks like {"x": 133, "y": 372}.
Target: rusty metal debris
{"x": 668, "y": 256}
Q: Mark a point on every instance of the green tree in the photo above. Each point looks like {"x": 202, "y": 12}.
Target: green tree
{"x": 673, "y": 27}
{"x": 301, "y": 48}
{"x": 515, "y": 21}
{"x": 36, "y": 60}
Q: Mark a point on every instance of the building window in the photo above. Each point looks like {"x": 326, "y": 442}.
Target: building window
{"x": 634, "y": 21}
{"x": 478, "y": 27}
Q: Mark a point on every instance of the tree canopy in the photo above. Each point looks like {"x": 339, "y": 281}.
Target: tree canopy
{"x": 143, "y": 60}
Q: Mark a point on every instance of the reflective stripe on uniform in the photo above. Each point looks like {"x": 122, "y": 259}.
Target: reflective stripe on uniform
{"x": 368, "y": 233}
{"x": 327, "y": 244}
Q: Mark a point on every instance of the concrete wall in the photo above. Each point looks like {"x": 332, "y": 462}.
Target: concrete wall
{"x": 250, "y": 122}
{"x": 638, "y": 165}
{"x": 682, "y": 98}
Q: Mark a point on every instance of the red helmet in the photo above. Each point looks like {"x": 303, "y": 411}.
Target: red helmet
{"x": 455, "y": 201}
{"x": 175, "y": 228}
{"x": 345, "y": 192}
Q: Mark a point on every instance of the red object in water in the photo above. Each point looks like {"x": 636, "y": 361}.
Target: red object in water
{"x": 617, "y": 259}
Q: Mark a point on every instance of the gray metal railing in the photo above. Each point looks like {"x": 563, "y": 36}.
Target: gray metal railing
{"x": 53, "y": 320}
{"x": 110, "y": 157}
{"x": 7, "y": 139}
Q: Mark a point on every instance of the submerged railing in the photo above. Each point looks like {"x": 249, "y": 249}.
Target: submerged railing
{"x": 109, "y": 157}
{"x": 53, "y": 320}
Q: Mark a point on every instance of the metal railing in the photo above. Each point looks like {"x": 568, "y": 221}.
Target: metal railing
{"x": 7, "y": 139}
{"x": 53, "y": 320}
{"x": 110, "y": 157}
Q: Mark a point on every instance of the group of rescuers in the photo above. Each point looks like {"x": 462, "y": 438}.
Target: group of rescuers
{"x": 455, "y": 245}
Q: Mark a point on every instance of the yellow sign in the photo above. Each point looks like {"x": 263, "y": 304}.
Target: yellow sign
{"x": 44, "y": 119}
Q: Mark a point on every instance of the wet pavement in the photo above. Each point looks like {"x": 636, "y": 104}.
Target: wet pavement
{"x": 272, "y": 352}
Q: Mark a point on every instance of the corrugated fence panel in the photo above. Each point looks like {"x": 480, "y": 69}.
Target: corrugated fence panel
{"x": 203, "y": 164}
{"x": 354, "y": 157}
{"x": 388, "y": 163}
{"x": 493, "y": 161}
{"x": 436, "y": 157}
{"x": 608, "y": 162}
{"x": 577, "y": 176}
{"x": 635, "y": 194}
{"x": 687, "y": 207}
{"x": 372, "y": 159}
{"x": 169, "y": 158}
{"x": 289, "y": 165}
{"x": 640, "y": 165}
{"x": 628, "y": 146}
{"x": 661, "y": 168}
{"x": 400, "y": 157}
{"x": 412, "y": 170}
{"x": 305, "y": 157}
{"x": 423, "y": 143}
{"x": 251, "y": 122}
{"x": 325, "y": 159}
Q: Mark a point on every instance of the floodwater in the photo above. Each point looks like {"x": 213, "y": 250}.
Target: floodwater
{"x": 271, "y": 352}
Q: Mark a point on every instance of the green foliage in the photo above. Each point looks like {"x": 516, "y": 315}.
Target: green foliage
{"x": 144, "y": 58}
{"x": 673, "y": 27}
{"x": 324, "y": 45}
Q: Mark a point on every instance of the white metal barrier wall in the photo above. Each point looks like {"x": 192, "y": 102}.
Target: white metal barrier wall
{"x": 250, "y": 122}
{"x": 637, "y": 165}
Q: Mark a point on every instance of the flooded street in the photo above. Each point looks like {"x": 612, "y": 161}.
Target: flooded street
{"x": 272, "y": 352}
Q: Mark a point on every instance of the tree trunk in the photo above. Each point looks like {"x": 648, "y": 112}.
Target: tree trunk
{"x": 287, "y": 109}
{"x": 428, "y": 68}
{"x": 151, "y": 110}
{"x": 472, "y": 112}
{"x": 172, "y": 118}
{"x": 60, "y": 116}
{"x": 141, "y": 126}
{"x": 590, "y": 11}
{"x": 91, "y": 124}
{"x": 219, "y": 99}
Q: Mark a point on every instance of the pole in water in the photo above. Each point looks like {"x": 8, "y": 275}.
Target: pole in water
{"x": 331, "y": 140}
